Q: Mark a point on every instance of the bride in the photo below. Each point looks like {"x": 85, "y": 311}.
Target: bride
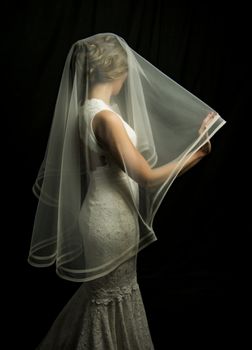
{"x": 117, "y": 142}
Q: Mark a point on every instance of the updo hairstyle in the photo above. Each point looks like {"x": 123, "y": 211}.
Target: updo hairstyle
{"x": 106, "y": 59}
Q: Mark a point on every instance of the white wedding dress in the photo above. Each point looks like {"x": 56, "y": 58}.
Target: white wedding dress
{"x": 106, "y": 313}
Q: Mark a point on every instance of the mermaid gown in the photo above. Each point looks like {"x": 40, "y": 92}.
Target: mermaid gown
{"x": 106, "y": 313}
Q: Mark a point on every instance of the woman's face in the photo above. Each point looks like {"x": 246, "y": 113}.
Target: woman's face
{"x": 118, "y": 83}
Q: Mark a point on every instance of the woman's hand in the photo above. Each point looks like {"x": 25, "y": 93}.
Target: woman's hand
{"x": 206, "y": 148}
{"x": 209, "y": 118}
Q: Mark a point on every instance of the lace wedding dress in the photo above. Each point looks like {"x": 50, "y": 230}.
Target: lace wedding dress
{"x": 107, "y": 313}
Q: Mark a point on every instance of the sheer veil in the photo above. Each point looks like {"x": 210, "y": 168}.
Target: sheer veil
{"x": 163, "y": 116}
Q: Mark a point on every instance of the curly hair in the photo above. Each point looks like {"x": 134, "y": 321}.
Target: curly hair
{"x": 107, "y": 59}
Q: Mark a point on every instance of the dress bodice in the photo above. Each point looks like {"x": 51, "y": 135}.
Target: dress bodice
{"x": 90, "y": 108}
{"x": 105, "y": 175}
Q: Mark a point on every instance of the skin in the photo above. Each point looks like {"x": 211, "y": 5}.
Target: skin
{"x": 111, "y": 134}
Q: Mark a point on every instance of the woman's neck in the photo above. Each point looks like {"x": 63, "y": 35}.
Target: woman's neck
{"x": 102, "y": 92}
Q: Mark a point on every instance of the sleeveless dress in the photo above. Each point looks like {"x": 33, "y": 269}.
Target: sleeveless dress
{"x": 106, "y": 313}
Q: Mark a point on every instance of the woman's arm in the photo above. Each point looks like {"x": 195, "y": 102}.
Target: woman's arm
{"x": 111, "y": 134}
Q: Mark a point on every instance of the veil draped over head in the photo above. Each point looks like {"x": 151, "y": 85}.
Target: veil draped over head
{"x": 164, "y": 119}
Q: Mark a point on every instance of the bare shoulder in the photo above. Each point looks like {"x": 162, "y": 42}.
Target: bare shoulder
{"x": 106, "y": 120}
{"x": 106, "y": 116}
{"x": 110, "y": 130}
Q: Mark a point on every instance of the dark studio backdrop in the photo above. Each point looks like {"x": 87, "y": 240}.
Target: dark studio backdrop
{"x": 186, "y": 276}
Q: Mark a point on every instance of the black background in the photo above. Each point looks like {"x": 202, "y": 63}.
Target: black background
{"x": 187, "y": 276}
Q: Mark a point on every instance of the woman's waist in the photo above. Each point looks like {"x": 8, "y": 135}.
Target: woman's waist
{"x": 107, "y": 167}
{"x": 112, "y": 179}
{"x": 107, "y": 173}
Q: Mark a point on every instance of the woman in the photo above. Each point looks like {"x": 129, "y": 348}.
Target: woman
{"x": 122, "y": 131}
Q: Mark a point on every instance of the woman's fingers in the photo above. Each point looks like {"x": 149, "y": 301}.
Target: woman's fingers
{"x": 207, "y": 121}
{"x": 208, "y": 118}
{"x": 206, "y": 148}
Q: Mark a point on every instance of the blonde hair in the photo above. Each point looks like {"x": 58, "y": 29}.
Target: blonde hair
{"x": 107, "y": 59}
